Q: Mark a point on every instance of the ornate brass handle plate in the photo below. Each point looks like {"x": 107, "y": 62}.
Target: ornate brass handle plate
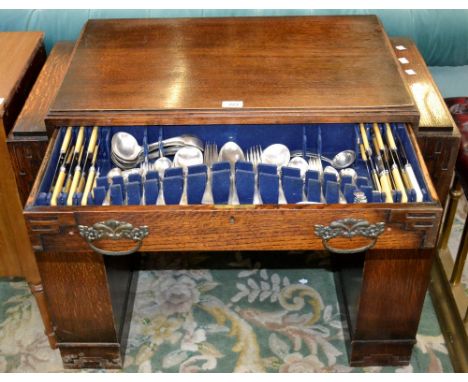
{"x": 114, "y": 230}
{"x": 349, "y": 228}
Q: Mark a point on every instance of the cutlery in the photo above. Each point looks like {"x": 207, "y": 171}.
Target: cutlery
{"x": 408, "y": 170}
{"x": 75, "y": 157}
{"x": 381, "y": 148}
{"x": 372, "y": 174}
{"x": 89, "y": 157}
{"x": 209, "y": 158}
{"x": 395, "y": 168}
{"x": 254, "y": 156}
{"x": 91, "y": 177}
{"x": 61, "y": 176}
{"x": 75, "y": 178}
{"x": 341, "y": 160}
{"x": 232, "y": 153}
{"x": 62, "y": 155}
{"x": 126, "y": 147}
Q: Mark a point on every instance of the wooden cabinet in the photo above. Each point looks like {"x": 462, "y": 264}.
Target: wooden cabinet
{"x": 305, "y": 82}
{"x": 22, "y": 57}
{"x": 27, "y": 141}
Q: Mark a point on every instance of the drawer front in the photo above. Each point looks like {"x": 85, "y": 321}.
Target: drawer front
{"x": 342, "y": 227}
{"x": 168, "y": 229}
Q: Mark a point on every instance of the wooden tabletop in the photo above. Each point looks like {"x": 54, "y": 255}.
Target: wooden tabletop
{"x": 431, "y": 105}
{"x": 17, "y": 51}
{"x": 280, "y": 69}
{"x": 30, "y": 122}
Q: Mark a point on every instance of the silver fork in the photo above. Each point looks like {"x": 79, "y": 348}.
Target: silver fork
{"x": 254, "y": 156}
{"x": 210, "y": 157}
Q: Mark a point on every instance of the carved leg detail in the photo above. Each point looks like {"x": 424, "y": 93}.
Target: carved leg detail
{"x": 38, "y": 292}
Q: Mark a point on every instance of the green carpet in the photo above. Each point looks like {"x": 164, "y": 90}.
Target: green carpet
{"x": 220, "y": 320}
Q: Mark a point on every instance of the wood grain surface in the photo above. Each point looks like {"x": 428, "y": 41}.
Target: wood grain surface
{"x": 31, "y": 119}
{"x": 369, "y": 292}
{"x": 27, "y": 141}
{"x": 283, "y": 69}
{"x": 437, "y": 137}
{"x": 23, "y": 55}
{"x": 430, "y": 103}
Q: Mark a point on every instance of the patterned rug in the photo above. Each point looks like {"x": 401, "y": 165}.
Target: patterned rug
{"x": 245, "y": 318}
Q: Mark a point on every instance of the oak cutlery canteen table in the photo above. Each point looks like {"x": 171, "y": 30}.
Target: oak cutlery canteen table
{"x": 318, "y": 84}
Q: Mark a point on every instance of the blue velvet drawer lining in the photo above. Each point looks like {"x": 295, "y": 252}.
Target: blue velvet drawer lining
{"x": 324, "y": 139}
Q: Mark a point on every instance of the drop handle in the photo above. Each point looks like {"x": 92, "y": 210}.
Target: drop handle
{"x": 113, "y": 230}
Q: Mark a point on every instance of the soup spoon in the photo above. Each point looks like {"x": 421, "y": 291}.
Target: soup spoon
{"x": 341, "y": 160}
{"x": 126, "y": 147}
{"x": 232, "y": 153}
{"x": 276, "y": 154}
{"x": 300, "y": 163}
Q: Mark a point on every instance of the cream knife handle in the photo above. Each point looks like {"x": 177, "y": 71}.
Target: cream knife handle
{"x": 390, "y": 140}
{"x": 92, "y": 140}
{"x": 66, "y": 139}
{"x": 74, "y": 185}
{"x": 365, "y": 141}
{"x": 378, "y": 136}
{"x": 87, "y": 189}
{"x": 376, "y": 181}
{"x": 414, "y": 182}
{"x": 79, "y": 140}
{"x": 58, "y": 187}
{"x": 399, "y": 184}
{"x": 386, "y": 188}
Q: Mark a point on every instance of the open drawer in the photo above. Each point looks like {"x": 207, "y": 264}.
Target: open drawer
{"x": 251, "y": 206}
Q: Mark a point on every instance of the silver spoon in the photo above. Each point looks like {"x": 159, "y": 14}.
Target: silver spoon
{"x": 300, "y": 163}
{"x": 161, "y": 165}
{"x": 232, "y": 153}
{"x": 341, "y": 160}
{"x": 185, "y": 157}
{"x": 276, "y": 154}
{"x": 349, "y": 172}
{"x": 126, "y": 148}
{"x": 188, "y": 156}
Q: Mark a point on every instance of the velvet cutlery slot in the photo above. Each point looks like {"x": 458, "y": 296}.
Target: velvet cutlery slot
{"x": 115, "y": 165}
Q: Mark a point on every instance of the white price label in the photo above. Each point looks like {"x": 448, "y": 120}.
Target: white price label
{"x": 233, "y": 104}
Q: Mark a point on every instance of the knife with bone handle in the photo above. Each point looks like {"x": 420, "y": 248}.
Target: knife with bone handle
{"x": 75, "y": 158}
{"x": 382, "y": 149}
{"x": 62, "y": 155}
{"x": 90, "y": 181}
{"x": 88, "y": 158}
{"x": 372, "y": 174}
{"x": 408, "y": 169}
{"x": 61, "y": 176}
{"x": 368, "y": 151}
{"x": 75, "y": 179}
{"x": 395, "y": 164}
{"x": 384, "y": 175}
{"x": 394, "y": 149}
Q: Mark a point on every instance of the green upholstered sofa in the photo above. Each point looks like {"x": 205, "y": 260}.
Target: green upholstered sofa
{"x": 441, "y": 35}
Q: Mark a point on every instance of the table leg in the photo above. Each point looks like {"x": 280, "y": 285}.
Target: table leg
{"x": 382, "y": 303}
{"x": 87, "y": 298}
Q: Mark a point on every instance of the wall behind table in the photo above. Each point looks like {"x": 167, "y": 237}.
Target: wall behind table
{"x": 441, "y": 35}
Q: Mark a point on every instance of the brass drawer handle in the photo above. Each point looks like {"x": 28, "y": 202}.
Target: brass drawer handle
{"x": 114, "y": 230}
{"x": 349, "y": 228}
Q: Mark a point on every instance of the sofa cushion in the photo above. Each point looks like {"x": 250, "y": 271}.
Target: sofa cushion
{"x": 451, "y": 80}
